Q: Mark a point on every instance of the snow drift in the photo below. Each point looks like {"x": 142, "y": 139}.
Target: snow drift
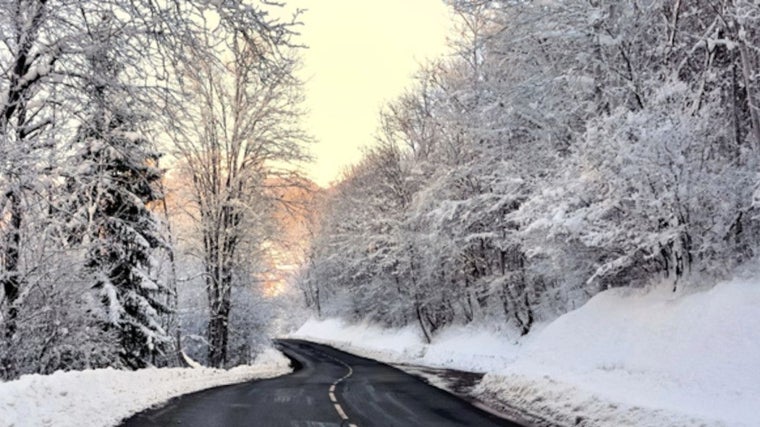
{"x": 103, "y": 397}
{"x": 627, "y": 357}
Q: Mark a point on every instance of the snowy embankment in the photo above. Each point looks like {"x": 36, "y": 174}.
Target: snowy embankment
{"x": 464, "y": 348}
{"x": 627, "y": 357}
{"x": 103, "y": 397}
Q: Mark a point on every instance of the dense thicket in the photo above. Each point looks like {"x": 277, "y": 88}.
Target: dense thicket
{"x": 566, "y": 148}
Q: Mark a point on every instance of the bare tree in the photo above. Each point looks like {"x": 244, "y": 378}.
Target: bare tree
{"x": 239, "y": 138}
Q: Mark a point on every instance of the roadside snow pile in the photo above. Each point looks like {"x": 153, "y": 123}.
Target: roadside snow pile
{"x": 388, "y": 345}
{"x": 467, "y": 348}
{"x": 626, "y": 358}
{"x": 103, "y": 397}
{"x": 472, "y": 349}
{"x": 644, "y": 359}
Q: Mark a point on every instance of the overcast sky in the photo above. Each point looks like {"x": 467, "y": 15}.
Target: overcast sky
{"x": 361, "y": 54}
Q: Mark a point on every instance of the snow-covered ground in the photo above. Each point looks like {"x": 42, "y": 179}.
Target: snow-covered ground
{"x": 467, "y": 348}
{"x": 627, "y": 357}
{"x": 103, "y": 397}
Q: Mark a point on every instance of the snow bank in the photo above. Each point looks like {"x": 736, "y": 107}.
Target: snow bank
{"x": 393, "y": 346}
{"x": 103, "y": 397}
{"x": 634, "y": 358}
{"x": 627, "y": 357}
{"x": 469, "y": 348}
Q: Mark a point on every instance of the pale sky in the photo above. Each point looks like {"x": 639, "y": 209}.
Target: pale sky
{"x": 362, "y": 53}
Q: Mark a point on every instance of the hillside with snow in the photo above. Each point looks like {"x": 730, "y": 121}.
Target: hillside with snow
{"x": 627, "y": 357}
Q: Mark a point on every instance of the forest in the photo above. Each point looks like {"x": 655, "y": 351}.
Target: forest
{"x": 152, "y": 155}
{"x": 145, "y": 149}
{"x": 565, "y": 148}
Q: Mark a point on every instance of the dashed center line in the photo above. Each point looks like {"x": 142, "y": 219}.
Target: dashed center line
{"x": 340, "y": 411}
{"x": 331, "y": 393}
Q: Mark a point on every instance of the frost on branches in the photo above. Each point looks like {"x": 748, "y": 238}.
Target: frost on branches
{"x": 115, "y": 180}
{"x": 567, "y": 148}
{"x": 90, "y": 94}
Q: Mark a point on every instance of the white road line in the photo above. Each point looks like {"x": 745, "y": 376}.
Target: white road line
{"x": 340, "y": 411}
{"x": 331, "y": 393}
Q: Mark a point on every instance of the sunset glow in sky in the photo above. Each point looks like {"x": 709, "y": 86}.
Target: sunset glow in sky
{"x": 362, "y": 53}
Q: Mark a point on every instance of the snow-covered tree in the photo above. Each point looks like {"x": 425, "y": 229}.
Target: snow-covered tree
{"x": 76, "y": 118}
{"x": 567, "y": 147}
{"x": 236, "y": 143}
{"x": 26, "y": 62}
{"x": 112, "y": 188}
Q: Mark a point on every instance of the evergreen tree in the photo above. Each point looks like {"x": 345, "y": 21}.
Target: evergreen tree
{"x": 115, "y": 181}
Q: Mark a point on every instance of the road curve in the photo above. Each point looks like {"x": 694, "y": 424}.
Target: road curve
{"x": 331, "y": 389}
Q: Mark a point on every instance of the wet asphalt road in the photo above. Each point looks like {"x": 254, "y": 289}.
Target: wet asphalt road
{"x": 365, "y": 393}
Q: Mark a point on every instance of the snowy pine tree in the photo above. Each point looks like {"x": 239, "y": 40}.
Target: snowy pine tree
{"x": 111, "y": 189}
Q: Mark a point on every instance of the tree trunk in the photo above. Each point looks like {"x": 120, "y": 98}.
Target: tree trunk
{"x": 172, "y": 300}
{"x": 318, "y": 303}
{"x": 754, "y": 114}
{"x": 527, "y": 323}
{"x": 219, "y": 316}
{"x": 221, "y": 252}
{"x": 15, "y": 104}
{"x": 421, "y": 320}
{"x": 218, "y": 332}
{"x": 10, "y": 280}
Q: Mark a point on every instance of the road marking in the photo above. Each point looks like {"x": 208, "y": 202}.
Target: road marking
{"x": 343, "y": 415}
{"x": 331, "y": 393}
{"x": 340, "y": 411}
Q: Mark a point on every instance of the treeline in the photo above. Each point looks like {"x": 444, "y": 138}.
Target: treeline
{"x": 93, "y": 93}
{"x": 566, "y": 148}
